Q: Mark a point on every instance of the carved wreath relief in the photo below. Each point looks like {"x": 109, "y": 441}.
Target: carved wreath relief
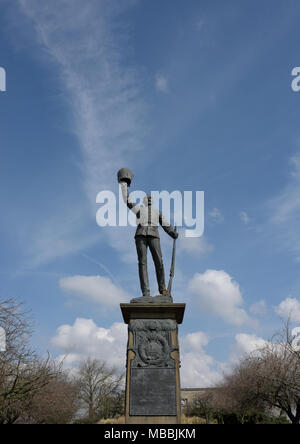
{"x": 152, "y": 343}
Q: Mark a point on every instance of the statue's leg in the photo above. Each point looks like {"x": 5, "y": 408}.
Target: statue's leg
{"x": 141, "y": 248}
{"x": 154, "y": 245}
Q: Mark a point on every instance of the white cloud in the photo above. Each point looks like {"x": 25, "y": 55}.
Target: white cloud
{"x": 85, "y": 339}
{"x": 244, "y": 345}
{"x": 97, "y": 289}
{"x": 161, "y": 83}
{"x": 244, "y": 217}
{"x": 218, "y": 294}
{"x": 198, "y": 246}
{"x": 216, "y": 215}
{"x": 289, "y": 308}
{"x": 198, "y": 368}
{"x": 195, "y": 341}
{"x": 259, "y": 308}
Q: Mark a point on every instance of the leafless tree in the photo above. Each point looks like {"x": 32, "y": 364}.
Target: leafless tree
{"x": 277, "y": 368}
{"x": 97, "y": 384}
{"x": 237, "y": 396}
{"x": 204, "y": 405}
{"x": 22, "y": 373}
{"x": 56, "y": 403}
{"x": 269, "y": 378}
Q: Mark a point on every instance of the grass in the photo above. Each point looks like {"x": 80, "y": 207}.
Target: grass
{"x": 184, "y": 420}
{"x": 192, "y": 420}
{"x": 117, "y": 420}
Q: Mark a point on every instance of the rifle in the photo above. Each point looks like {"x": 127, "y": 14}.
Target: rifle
{"x": 172, "y": 266}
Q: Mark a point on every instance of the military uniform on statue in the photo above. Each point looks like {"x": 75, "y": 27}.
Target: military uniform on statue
{"x": 147, "y": 235}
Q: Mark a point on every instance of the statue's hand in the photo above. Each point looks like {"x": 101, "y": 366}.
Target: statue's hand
{"x": 174, "y": 235}
{"x": 128, "y": 181}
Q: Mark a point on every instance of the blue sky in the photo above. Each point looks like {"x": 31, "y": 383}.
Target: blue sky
{"x": 191, "y": 96}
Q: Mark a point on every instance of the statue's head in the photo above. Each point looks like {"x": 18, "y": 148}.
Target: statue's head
{"x": 147, "y": 200}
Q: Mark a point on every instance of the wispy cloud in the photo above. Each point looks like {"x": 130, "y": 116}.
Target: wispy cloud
{"x": 104, "y": 99}
{"x": 244, "y": 217}
{"x": 161, "y": 83}
{"x": 284, "y": 209}
{"x": 216, "y": 215}
{"x": 200, "y": 23}
{"x": 58, "y": 236}
{"x": 198, "y": 246}
{"x": 87, "y": 43}
{"x": 286, "y": 205}
{"x": 259, "y": 308}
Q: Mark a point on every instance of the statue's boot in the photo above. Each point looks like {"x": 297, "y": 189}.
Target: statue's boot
{"x": 160, "y": 299}
{"x": 142, "y": 299}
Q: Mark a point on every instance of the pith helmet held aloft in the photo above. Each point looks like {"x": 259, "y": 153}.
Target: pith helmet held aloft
{"x": 126, "y": 175}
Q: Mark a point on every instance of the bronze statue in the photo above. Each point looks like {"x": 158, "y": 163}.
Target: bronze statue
{"x": 147, "y": 235}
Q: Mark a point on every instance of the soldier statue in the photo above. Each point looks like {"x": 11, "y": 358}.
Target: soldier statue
{"x": 147, "y": 235}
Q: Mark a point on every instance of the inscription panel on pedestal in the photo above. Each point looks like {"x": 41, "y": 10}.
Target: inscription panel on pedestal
{"x": 153, "y": 369}
{"x": 153, "y": 392}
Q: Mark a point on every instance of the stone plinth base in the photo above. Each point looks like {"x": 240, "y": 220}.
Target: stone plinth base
{"x": 152, "y": 377}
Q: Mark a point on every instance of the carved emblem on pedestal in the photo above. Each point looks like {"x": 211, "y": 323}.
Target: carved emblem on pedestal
{"x": 152, "y": 343}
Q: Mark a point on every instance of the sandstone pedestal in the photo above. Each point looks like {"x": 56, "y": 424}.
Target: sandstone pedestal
{"x": 152, "y": 376}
